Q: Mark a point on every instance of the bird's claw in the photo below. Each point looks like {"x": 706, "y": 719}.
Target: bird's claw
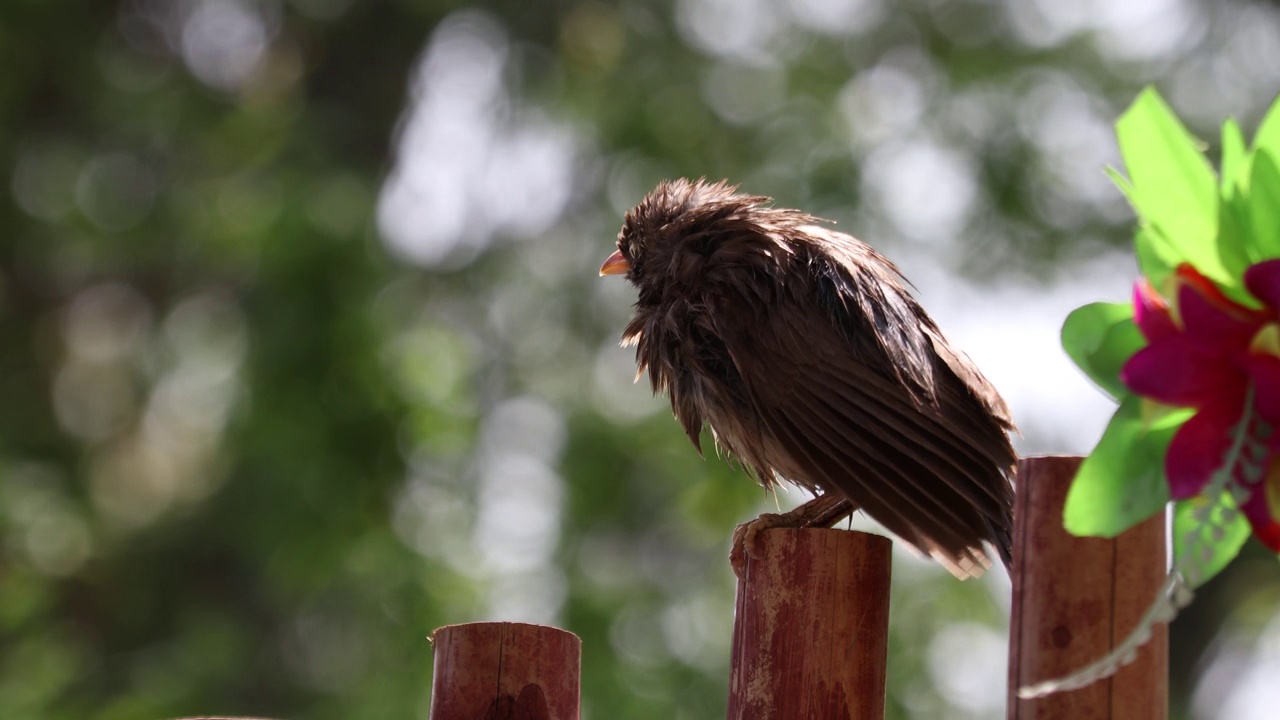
{"x": 822, "y": 511}
{"x": 746, "y": 540}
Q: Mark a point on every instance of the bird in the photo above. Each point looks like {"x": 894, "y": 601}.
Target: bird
{"x": 807, "y": 354}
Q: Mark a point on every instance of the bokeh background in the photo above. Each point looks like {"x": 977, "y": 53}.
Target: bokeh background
{"x": 303, "y": 352}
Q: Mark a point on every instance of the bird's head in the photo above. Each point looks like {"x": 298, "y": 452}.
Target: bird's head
{"x": 684, "y": 227}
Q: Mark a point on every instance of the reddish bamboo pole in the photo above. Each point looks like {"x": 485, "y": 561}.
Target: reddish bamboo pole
{"x": 811, "y": 630}
{"x": 505, "y": 671}
{"x": 1074, "y": 599}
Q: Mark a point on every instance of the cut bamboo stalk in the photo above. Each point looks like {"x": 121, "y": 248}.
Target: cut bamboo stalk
{"x": 505, "y": 671}
{"x": 1074, "y": 599}
{"x": 810, "y": 635}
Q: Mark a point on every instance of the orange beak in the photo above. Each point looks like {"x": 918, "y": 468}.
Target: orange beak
{"x": 615, "y": 265}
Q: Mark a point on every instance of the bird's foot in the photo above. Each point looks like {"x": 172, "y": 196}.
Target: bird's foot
{"x": 822, "y": 511}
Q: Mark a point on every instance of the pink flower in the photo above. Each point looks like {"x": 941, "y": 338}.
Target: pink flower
{"x": 1206, "y": 352}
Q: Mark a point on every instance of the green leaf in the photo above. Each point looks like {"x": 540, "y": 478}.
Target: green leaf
{"x": 1234, "y": 249}
{"x": 1218, "y": 550}
{"x": 1157, "y": 257}
{"x": 1268, "y": 136}
{"x": 1233, "y": 227}
{"x": 1100, "y": 338}
{"x": 1235, "y": 160}
{"x": 1121, "y": 182}
{"x": 1264, "y": 206}
{"x": 1173, "y": 186}
{"x": 1122, "y": 482}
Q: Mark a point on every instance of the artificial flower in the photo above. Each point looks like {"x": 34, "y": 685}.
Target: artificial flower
{"x": 1221, "y": 358}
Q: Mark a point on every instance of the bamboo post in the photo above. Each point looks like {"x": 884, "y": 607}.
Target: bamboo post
{"x": 505, "y": 671}
{"x": 1076, "y": 598}
{"x": 810, "y": 634}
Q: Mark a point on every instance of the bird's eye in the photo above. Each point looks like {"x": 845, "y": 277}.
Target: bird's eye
{"x": 626, "y": 245}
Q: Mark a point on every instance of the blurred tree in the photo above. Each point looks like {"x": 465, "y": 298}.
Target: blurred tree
{"x": 302, "y": 351}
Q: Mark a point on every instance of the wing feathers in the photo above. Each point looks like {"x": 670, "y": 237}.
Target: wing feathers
{"x": 917, "y": 430}
{"x": 928, "y": 458}
{"x": 892, "y": 480}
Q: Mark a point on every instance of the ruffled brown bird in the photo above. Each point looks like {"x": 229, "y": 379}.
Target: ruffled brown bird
{"x": 805, "y": 352}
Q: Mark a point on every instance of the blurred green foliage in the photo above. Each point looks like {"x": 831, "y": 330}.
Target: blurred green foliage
{"x": 303, "y": 353}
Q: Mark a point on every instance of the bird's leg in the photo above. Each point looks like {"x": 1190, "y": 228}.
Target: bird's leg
{"x": 823, "y": 511}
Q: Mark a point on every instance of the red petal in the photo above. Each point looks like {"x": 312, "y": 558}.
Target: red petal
{"x": 1199, "y": 448}
{"x": 1218, "y": 329}
{"x": 1268, "y": 535}
{"x": 1174, "y": 371}
{"x": 1263, "y": 282}
{"x": 1188, "y": 275}
{"x": 1264, "y": 370}
{"x": 1151, "y": 312}
{"x": 1258, "y": 513}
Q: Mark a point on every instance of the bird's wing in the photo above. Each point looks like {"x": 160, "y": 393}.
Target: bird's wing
{"x": 839, "y": 416}
{"x": 972, "y": 379}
